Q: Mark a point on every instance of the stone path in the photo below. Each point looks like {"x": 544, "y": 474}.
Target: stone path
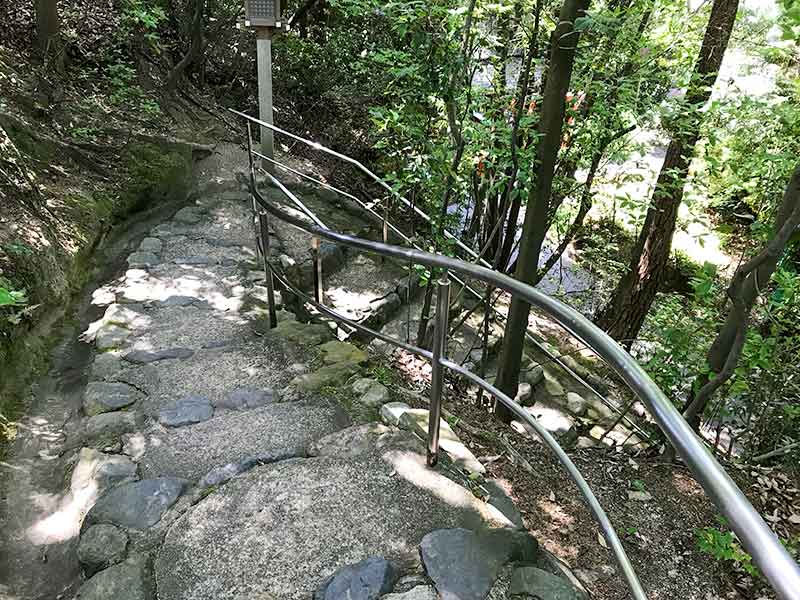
{"x": 216, "y": 458}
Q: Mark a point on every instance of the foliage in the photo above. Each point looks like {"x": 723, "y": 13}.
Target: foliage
{"x": 725, "y": 547}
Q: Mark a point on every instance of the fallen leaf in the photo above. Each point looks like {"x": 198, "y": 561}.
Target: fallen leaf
{"x": 601, "y": 540}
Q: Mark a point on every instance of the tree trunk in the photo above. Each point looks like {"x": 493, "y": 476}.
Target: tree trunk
{"x": 624, "y": 315}
{"x": 48, "y": 30}
{"x": 749, "y": 279}
{"x": 535, "y": 226}
{"x": 195, "y": 47}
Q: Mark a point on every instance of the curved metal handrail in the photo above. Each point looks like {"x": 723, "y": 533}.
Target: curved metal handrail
{"x": 425, "y": 217}
{"x": 757, "y": 538}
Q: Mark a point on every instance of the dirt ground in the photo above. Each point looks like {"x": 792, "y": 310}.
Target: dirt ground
{"x": 659, "y": 534}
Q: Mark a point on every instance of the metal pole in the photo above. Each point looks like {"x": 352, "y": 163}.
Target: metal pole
{"x": 262, "y": 236}
{"x": 437, "y": 370}
{"x": 317, "y": 266}
{"x": 263, "y": 221}
{"x": 264, "y": 56}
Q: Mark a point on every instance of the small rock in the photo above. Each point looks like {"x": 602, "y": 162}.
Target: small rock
{"x": 533, "y": 375}
{"x": 552, "y": 386}
{"x": 137, "y": 505}
{"x": 143, "y": 357}
{"x": 101, "y": 546}
{"x": 536, "y": 583}
{"x": 245, "y": 398}
{"x": 101, "y": 397}
{"x": 105, "y": 430}
{"x": 556, "y": 422}
{"x": 125, "y": 316}
{"x": 524, "y": 391}
{"x": 329, "y": 375}
{"x": 105, "y": 366}
{"x": 109, "y": 337}
{"x": 586, "y": 442}
{"x": 142, "y": 260}
{"x": 312, "y": 334}
{"x": 96, "y": 472}
{"x": 298, "y": 368}
{"x": 673, "y": 573}
{"x": 287, "y": 262}
{"x": 392, "y": 411}
{"x": 334, "y": 352}
{"x": 421, "y": 592}
{"x": 576, "y": 404}
{"x": 366, "y": 580}
{"x": 186, "y": 411}
{"x": 190, "y": 215}
{"x": 499, "y": 498}
{"x": 151, "y": 244}
{"x": 129, "y": 580}
{"x": 639, "y": 496}
{"x": 374, "y": 396}
{"x": 463, "y": 564}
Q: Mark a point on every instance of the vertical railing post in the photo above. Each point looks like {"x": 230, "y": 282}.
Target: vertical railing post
{"x": 437, "y": 370}
{"x": 263, "y": 222}
{"x": 317, "y": 267}
{"x": 262, "y": 233}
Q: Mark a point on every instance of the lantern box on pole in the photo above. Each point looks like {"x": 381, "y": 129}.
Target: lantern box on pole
{"x": 262, "y": 13}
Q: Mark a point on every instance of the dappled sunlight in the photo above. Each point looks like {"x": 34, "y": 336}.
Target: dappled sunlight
{"x": 412, "y": 467}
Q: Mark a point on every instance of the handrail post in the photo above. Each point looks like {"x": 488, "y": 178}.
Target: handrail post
{"x": 437, "y": 370}
{"x": 263, "y": 222}
{"x": 317, "y": 268}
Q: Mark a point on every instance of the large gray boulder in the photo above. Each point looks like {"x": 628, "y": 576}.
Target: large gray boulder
{"x": 282, "y": 529}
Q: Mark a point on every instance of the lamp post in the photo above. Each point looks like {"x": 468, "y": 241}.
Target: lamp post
{"x": 265, "y": 17}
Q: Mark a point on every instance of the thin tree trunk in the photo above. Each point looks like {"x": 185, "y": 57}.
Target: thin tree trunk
{"x": 748, "y": 281}
{"x": 624, "y": 315}
{"x": 194, "y": 49}
{"x": 550, "y": 128}
{"x": 48, "y": 31}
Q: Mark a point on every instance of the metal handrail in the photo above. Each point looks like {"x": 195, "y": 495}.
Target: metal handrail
{"x": 387, "y": 225}
{"x": 757, "y": 538}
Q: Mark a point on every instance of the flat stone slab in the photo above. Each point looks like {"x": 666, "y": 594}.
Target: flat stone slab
{"x": 137, "y": 505}
{"x": 279, "y": 531}
{"x": 247, "y": 398}
{"x": 186, "y": 411}
{"x": 101, "y": 397}
{"x": 143, "y": 357}
{"x": 365, "y": 580}
{"x": 192, "y": 451}
{"x": 464, "y": 564}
